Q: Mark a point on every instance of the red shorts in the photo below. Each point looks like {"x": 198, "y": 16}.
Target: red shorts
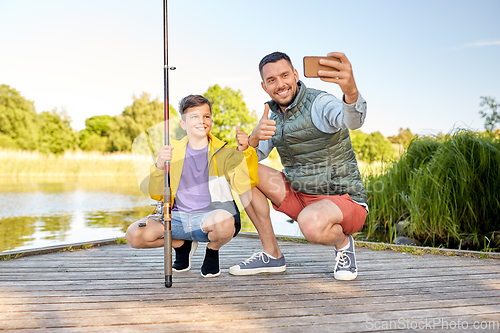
{"x": 295, "y": 202}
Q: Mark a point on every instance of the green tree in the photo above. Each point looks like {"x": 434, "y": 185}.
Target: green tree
{"x": 95, "y": 135}
{"x": 135, "y": 119}
{"x": 489, "y": 112}
{"x": 378, "y": 148}
{"x": 403, "y": 138}
{"x": 56, "y": 133}
{"x": 371, "y": 147}
{"x": 228, "y": 111}
{"x": 18, "y": 120}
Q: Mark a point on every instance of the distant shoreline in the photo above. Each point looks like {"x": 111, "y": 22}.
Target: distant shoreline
{"x": 71, "y": 164}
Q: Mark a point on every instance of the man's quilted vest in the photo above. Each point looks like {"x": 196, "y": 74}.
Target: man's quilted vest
{"x": 315, "y": 162}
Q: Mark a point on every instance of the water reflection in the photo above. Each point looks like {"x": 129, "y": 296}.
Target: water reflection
{"x": 14, "y": 231}
{"x": 38, "y": 213}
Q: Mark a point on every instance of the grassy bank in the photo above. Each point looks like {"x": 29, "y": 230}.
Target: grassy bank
{"x": 448, "y": 189}
{"x": 24, "y": 164}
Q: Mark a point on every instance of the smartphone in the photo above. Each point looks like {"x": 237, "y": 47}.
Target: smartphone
{"x": 312, "y": 66}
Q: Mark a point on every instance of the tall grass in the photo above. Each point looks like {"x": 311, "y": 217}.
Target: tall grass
{"x": 447, "y": 188}
{"x": 21, "y": 164}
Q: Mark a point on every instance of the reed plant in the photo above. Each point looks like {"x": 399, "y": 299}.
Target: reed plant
{"x": 447, "y": 188}
{"x": 22, "y": 163}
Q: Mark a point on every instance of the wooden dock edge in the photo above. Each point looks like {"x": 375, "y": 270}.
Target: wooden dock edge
{"x": 372, "y": 245}
{"x": 7, "y": 255}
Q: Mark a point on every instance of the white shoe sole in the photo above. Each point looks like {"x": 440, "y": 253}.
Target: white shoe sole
{"x": 211, "y": 275}
{"x": 236, "y": 270}
{"x": 194, "y": 246}
{"x": 345, "y": 276}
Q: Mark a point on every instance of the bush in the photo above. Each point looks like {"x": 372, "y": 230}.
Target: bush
{"x": 371, "y": 147}
{"x": 448, "y": 188}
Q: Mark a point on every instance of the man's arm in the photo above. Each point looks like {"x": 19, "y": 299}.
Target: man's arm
{"x": 262, "y": 134}
{"x": 330, "y": 114}
{"x": 341, "y": 75}
{"x": 264, "y": 149}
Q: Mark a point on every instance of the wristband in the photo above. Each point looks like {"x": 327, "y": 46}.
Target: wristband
{"x": 249, "y": 142}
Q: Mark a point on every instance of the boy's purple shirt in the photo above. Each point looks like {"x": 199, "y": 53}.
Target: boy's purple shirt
{"x": 193, "y": 195}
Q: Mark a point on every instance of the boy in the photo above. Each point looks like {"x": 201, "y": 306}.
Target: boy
{"x": 201, "y": 173}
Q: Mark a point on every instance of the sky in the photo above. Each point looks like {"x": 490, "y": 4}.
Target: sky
{"x": 421, "y": 65}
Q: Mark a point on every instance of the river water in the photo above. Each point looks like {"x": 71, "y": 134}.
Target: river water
{"x": 35, "y": 214}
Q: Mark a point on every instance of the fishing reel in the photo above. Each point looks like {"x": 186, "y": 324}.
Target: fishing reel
{"x": 157, "y": 215}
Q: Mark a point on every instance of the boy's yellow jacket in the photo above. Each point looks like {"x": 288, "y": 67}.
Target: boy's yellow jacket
{"x": 228, "y": 168}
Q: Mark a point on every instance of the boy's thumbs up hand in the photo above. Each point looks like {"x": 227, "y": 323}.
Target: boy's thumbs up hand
{"x": 241, "y": 139}
{"x": 264, "y": 130}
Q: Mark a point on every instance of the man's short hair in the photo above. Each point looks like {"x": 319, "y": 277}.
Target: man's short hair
{"x": 192, "y": 101}
{"x": 273, "y": 57}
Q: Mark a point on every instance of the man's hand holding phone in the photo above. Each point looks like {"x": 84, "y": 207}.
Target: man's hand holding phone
{"x": 334, "y": 68}
{"x": 264, "y": 130}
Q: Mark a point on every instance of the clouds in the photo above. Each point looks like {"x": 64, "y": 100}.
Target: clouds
{"x": 480, "y": 43}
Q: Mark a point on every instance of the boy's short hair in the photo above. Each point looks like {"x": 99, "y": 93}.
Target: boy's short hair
{"x": 193, "y": 101}
{"x": 273, "y": 57}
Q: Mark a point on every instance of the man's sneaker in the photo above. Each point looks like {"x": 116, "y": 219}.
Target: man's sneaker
{"x": 183, "y": 256}
{"x": 259, "y": 263}
{"x": 210, "y": 267}
{"x": 345, "y": 263}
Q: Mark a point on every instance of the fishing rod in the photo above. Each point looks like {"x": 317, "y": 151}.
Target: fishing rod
{"x": 167, "y": 193}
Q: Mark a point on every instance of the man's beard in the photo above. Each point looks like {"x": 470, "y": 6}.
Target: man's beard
{"x": 287, "y": 103}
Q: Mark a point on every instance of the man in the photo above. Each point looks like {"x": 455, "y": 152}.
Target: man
{"x": 320, "y": 186}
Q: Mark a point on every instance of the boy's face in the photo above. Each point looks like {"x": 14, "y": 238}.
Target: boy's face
{"x": 197, "y": 121}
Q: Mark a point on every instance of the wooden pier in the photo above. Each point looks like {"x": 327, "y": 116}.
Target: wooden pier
{"x": 115, "y": 288}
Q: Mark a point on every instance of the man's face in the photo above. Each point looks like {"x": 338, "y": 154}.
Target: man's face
{"x": 197, "y": 121}
{"x": 279, "y": 80}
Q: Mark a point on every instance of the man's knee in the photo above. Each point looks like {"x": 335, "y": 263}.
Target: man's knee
{"x": 318, "y": 224}
{"x": 311, "y": 232}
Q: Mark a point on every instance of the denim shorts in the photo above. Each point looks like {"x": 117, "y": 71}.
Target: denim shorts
{"x": 187, "y": 226}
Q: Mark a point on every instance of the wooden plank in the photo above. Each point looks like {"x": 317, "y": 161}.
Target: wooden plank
{"x": 117, "y": 288}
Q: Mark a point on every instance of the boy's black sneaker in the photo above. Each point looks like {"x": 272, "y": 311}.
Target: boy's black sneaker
{"x": 183, "y": 256}
{"x": 210, "y": 267}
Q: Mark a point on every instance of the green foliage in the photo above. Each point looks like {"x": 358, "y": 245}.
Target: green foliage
{"x": 448, "y": 188}
{"x": 93, "y": 141}
{"x": 99, "y": 124}
{"x": 404, "y": 137}
{"x": 22, "y": 128}
{"x": 7, "y": 142}
{"x": 96, "y": 134}
{"x": 56, "y": 133}
{"x": 18, "y": 120}
{"x": 140, "y": 116}
{"x": 228, "y": 111}
{"x": 106, "y": 133}
{"x": 371, "y": 147}
{"x": 489, "y": 112}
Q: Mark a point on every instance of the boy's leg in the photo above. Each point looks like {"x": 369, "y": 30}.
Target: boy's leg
{"x": 220, "y": 227}
{"x": 148, "y": 236}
